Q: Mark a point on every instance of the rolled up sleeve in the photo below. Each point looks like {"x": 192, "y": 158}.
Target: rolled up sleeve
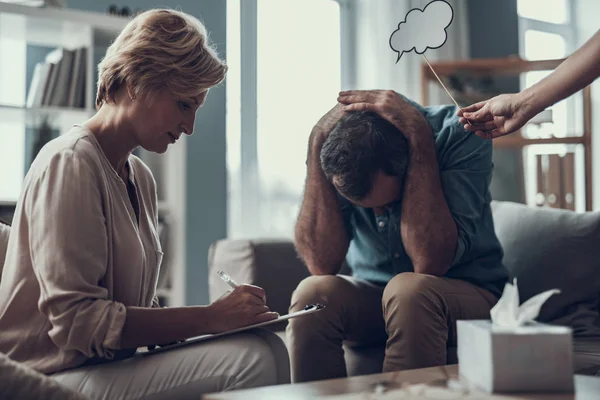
{"x": 68, "y": 244}
{"x": 465, "y": 175}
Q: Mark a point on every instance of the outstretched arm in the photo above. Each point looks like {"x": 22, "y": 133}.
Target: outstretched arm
{"x": 507, "y": 113}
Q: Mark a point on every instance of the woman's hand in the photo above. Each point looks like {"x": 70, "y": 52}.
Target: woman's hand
{"x": 243, "y": 306}
{"x": 147, "y": 326}
{"x": 497, "y": 116}
{"x": 390, "y": 106}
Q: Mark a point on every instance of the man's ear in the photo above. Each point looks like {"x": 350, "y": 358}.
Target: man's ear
{"x": 335, "y": 180}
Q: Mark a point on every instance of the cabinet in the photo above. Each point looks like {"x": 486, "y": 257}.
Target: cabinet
{"x": 74, "y": 42}
{"x": 554, "y": 150}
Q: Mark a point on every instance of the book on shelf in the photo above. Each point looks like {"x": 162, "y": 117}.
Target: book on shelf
{"x": 59, "y": 81}
{"x": 36, "y": 89}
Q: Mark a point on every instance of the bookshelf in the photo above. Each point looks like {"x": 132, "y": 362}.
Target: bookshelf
{"x": 28, "y": 37}
{"x": 555, "y": 158}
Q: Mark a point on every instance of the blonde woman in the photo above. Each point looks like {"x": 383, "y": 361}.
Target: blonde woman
{"x": 77, "y": 295}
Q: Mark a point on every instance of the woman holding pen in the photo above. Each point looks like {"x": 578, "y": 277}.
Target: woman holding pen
{"x": 507, "y": 113}
{"x": 78, "y": 290}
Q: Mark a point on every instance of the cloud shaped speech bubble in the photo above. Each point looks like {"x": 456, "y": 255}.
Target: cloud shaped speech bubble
{"x": 422, "y": 29}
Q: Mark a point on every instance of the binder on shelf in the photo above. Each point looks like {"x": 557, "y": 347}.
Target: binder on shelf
{"x": 77, "y": 88}
{"x": 38, "y": 82}
{"x": 60, "y": 80}
{"x": 59, "y": 94}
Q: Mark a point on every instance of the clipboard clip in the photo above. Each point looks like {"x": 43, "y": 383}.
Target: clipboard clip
{"x": 315, "y": 306}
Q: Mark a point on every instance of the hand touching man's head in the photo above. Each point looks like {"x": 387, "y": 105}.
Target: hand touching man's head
{"x": 366, "y": 157}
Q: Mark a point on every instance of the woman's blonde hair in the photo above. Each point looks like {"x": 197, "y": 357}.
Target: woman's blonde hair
{"x": 159, "y": 49}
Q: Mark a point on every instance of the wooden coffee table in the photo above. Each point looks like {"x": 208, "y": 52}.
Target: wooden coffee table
{"x": 587, "y": 387}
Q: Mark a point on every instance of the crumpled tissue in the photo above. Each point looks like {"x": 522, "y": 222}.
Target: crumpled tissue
{"x": 508, "y": 313}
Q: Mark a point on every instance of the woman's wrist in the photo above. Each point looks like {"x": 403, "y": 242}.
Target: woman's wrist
{"x": 530, "y": 102}
{"x": 207, "y": 320}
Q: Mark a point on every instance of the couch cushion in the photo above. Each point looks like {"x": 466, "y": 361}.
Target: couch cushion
{"x": 272, "y": 264}
{"x": 549, "y": 248}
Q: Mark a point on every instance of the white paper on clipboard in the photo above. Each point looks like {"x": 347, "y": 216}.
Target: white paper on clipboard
{"x": 312, "y": 308}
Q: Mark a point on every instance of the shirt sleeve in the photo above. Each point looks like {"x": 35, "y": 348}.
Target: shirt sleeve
{"x": 68, "y": 245}
{"x": 465, "y": 173}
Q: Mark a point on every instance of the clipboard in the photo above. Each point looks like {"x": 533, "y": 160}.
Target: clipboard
{"x": 309, "y": 309}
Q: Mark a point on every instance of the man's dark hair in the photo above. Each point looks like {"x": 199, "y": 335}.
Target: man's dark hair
{"x": 361, "y": 144}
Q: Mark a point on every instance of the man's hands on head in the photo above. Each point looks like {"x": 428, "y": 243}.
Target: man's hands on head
{"x": 243, "y": 306}
{"x": 427, "y": 229}
{"x": 392, "y": 107}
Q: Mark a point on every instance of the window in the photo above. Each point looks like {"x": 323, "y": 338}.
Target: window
{"x": 553, "y": 11}
{"x": 12, "y": 132}
{"x": 288, "y": 77}
{"x": 541, "y": 45}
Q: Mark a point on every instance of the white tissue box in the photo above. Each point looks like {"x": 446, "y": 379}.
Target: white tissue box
{"x": 531, "y": 358}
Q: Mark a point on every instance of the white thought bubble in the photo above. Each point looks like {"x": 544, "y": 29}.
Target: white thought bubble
{"x": 422, "y": 29}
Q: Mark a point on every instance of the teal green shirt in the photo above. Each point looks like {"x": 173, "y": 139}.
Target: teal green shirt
{"x": 376, "y": 252}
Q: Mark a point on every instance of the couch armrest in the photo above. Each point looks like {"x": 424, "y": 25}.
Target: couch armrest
{"x": 272, "y": 264}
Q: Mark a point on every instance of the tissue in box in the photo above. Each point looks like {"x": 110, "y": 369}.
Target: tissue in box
{"x": 531, "y": 358}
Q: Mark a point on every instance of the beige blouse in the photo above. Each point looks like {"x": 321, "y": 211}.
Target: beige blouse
{"x": 76, "y": 256}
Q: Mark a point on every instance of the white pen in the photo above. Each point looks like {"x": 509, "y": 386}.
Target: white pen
{"x": 227, "y": 279}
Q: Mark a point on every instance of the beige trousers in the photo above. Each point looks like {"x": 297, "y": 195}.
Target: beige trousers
{"x": 414, "y": 316}
{"x": 244, "y": 360}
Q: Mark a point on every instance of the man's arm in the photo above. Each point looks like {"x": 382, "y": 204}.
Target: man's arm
{"x": 427, "y": 228}
{"x": 321, "y": 237}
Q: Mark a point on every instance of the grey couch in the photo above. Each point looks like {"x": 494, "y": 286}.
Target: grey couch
{"x": 544, "y": 248}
